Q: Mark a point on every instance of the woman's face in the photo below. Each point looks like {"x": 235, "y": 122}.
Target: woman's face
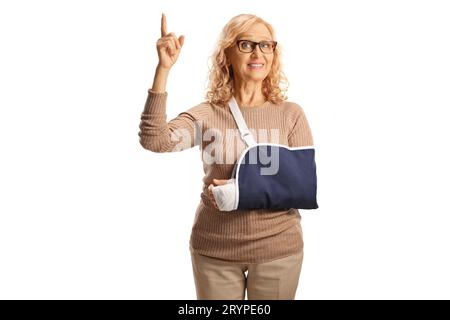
{"x": 252, "y": 66}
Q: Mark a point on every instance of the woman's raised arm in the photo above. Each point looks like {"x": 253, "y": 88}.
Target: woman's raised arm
{"x": 169, "y": 48}
{"x": 182, "y": 132}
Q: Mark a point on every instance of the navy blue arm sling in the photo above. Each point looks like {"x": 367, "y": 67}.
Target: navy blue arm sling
{"x": 272, "y": 176}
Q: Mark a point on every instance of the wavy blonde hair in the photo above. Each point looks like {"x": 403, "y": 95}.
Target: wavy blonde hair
{"x": 221, "y": 84}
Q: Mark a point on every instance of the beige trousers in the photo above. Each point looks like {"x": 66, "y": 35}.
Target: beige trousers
{"x": 216, "y": 279}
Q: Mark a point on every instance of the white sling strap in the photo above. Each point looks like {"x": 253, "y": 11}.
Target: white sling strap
{"x": 246, "y": 135}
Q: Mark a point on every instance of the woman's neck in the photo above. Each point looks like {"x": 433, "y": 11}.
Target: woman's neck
{"x": 248, "y": 95}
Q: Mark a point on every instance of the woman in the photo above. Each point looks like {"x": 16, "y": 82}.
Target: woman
{"x": 255, "y": 251}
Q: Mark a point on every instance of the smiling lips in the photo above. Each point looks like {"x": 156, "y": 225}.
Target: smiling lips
{"x": 256, "y": 66}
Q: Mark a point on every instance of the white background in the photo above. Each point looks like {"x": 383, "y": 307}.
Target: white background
{"x": 87, "y": 213}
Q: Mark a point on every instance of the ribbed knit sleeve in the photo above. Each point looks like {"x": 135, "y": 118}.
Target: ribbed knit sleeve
{"x": 300, "y": 134}
{"x": 180, "y": 133}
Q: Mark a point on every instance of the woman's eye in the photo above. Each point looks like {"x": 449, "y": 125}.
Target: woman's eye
{"x": 246, "y": 44}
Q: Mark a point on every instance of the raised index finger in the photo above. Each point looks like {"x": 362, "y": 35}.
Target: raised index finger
{"x": 163, "y": 25}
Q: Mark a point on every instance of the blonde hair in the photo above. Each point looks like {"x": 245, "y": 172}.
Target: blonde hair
{"x": 220, "y": 86}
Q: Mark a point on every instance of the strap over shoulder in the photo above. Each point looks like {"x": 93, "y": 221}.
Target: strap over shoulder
{"x": 246, "y": 135}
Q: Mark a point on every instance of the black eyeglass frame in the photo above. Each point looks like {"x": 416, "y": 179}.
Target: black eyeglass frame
{"x": 274, "y": 43}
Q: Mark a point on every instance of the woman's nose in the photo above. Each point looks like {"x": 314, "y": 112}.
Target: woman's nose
{"x": 257, "y": 52}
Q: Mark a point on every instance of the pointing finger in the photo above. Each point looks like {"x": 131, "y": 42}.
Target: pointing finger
{"x": 163, "y": 25}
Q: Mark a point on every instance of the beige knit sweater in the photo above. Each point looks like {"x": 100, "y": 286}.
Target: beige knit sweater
{"x": 242, "y": 236}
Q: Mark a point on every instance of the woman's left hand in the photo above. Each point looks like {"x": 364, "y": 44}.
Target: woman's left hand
{"x": 216, "y": 182}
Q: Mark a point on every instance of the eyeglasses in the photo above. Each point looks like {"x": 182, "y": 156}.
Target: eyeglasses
{"x": 248, "y": 46}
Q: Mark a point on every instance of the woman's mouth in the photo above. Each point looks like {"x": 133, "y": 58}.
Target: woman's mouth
{"x": 255, "y": 66}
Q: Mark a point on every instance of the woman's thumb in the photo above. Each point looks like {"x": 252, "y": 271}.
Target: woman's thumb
{"x": 181, "y": 40}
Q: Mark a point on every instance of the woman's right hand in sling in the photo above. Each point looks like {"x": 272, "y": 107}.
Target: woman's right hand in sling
{"x": 168, "y": 46}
